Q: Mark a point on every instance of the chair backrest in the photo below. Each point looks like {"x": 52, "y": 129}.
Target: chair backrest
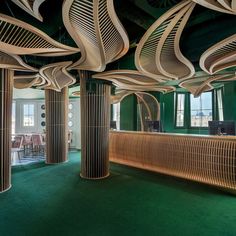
{"x": 18, "y": 142}
{"x": 27, "y": 139}
{"x": 36, "y": 139}
{"x": 70, "y": 136}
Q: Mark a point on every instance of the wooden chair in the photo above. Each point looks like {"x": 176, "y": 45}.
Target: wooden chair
{"x": 17, "y": 147}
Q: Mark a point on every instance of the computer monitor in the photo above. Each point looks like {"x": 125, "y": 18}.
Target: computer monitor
{"x": 153, "y": 125}
{"x": 112, "y": 124}
{"x": 217, "y": 127}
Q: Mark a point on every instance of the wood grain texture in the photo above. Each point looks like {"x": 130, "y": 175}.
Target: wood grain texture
{"x": 97, "y": 31}
{"x": 56, "y": 125}
{"x": 28, "y": 81}
{"x": 134, "y": 80}
{"x": 220, "y": 56}
{"x": 206, "y": 159}
{"x": 158, "y": 52}
{"x": 20, "y": 38}
{"x": 6, "y": 87}
{"x": 198, "y": 85}
{"x": 225, "y": 6}
{"x": 56, "y": 76}
{"x": 14, "y": 62}
{"x": 95, "y": 125}
{"x": 30, "y": 6}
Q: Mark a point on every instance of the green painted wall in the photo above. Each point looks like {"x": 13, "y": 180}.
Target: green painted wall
{"x": 168, "y": 116}
{"x": 229, "y": 101}
{"x": 167, "y": 103}
{"x": 128, "y": 113}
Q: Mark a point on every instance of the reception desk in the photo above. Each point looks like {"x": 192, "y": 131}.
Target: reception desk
{"x": 203, "y": 158}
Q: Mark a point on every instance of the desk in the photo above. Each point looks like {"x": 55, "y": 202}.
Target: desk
{"x": 202, "y": 158}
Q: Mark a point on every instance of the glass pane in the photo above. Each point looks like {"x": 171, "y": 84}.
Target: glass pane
{"x": 180, "y": 119}
{"x": 116, "y": 114}
{"x": 206, "y": 100}
{"x": 220, "y": 105}
{"x": 201, "y": 110}
{"x": 195, "y": 102}
{"x": 180, "y": 105}
{"x": 180, "y": 110}
{"x": 28, "y": 115}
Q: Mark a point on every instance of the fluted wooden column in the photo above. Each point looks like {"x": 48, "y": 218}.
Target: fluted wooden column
{"x": 6, "y": 86}
{"x": 95, "y": 125}
{"x": 56, "y": 126}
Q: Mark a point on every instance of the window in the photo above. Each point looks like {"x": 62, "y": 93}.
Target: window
{"x": 220, "y": 104}
{"x": 116, "y": 114}
{"x": 28, "y": 115}
{"x": 180, "y": 110}
{"x": 201, "y": 109}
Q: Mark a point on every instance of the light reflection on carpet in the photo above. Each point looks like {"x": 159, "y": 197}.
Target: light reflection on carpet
{"x": 27, "y": 160}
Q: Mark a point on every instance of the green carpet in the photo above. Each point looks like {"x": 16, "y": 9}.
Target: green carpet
{"x": 54, "y": 200}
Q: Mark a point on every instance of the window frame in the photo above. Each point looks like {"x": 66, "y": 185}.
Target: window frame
{"x": 116, "y": 115}
{"x": 212, "y": 109}
{"x": 217, "y": 108}
{"x": 176, "y": 111}
{"x": 187, "y": 109}
{"x": 23, "y": 115}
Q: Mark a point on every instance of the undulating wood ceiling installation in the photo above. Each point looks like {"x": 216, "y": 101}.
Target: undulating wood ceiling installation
{"x": 225, "y": 6}
{"x": 120, "y": 95}
{"x": 28, "y": 81}
{"x": 198, "y": 85}
{"x": 57, "y": 76}
{"x": 158, "y": 52}
{"x": 30, "y": 6}
{"x": 76, "y": 94}
{"x": 18, "y": 37}
{"x": 96, "y": 29}
{"x": 220, "y": 56}
{"x": 133, "y": 80}
{"x": 13, "y": 62}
